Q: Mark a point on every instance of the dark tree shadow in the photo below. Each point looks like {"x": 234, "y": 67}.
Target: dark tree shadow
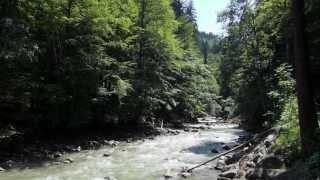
{"x": 206, "y": 147}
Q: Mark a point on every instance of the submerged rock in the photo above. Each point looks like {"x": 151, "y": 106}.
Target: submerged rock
{"x": 214, "y": 151}
{"x": 106, "y": 155}
{"x": 223, "y": 178}
{"x": 151, "y": 138}
{"x": 185, "y": 174}
{"x": 186, "y": 130}
{"x": 168, "y": 176}
{"x": 56, "y": 163}
{"x": 109, "y": 178}
{"x": 226, "y": 147}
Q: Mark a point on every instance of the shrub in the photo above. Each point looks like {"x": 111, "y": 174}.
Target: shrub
{"x": 289, "y": 138}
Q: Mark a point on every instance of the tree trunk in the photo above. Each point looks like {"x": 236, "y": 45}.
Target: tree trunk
{"x": 205, "y": 57}
{"x": 141, "y": 64}
{"x": 307, "y": 113}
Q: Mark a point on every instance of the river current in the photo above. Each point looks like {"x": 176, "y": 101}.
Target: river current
{"x": 149, "y": 159}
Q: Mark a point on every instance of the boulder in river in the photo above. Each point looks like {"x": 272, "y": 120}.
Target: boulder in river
{"x": 186, "y": 130}
{"x": 112, "y": 143}
{"x": 78, "y": 149}
{"x": 168, "y": 176}
{"x": 185, "y": 174}
{"x": 57, "y": 155}
{"x": 233, "y": 159}
{"x": 220, "y": 164}
{"x": 194, "y": 130}
{"x": 2, "y": 169}
{"x": 68, "y": 161}
{"x": 93, "y": 144}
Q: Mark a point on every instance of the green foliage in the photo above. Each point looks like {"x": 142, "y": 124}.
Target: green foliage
{"x": 289, "y": 138}
{"x": 198, "y": 85}
{"x": 252, "y": 51}
{"x": 72, "y": 63}
{"x": 17, "y": 58}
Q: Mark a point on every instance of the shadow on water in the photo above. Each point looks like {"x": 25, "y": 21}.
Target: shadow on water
{"x": 205, "y": 148}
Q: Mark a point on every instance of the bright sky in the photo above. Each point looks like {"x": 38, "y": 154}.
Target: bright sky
{"x": 207, "y": 11}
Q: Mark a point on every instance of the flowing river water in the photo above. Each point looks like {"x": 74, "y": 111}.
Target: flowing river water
{"x": 149, "y": 159}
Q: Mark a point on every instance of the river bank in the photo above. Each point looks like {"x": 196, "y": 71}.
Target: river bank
{"x": 28, "y": 150}
{"x": 149, "y": 157}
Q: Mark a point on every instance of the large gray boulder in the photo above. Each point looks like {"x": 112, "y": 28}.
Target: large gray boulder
{"x": 271, "y": 162}
{"x": 220, "y": 164}
{"x": 254, "y": 174}
{"x": 229, "y": 174}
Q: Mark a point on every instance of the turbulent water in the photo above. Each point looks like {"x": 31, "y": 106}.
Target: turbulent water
{"x": 148, "y": 159}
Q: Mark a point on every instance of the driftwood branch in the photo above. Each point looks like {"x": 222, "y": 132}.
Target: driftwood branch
{"x": 236, "y": 148}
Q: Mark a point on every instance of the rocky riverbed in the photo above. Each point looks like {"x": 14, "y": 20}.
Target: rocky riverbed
{"x": 161, "y": 156}
{"x": 255, "y": 161}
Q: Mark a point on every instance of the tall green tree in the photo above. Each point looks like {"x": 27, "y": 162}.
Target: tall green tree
{"x": 254, "y": 47}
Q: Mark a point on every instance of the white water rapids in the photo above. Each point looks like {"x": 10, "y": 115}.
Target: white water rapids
{"x": 147, "y": 159}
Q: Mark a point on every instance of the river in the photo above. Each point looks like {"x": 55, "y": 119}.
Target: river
{"x": 149, "y": 159}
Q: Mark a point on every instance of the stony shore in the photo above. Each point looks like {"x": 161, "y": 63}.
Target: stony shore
{"x": 20, "y": 151}
{"x": 257, "y": 161}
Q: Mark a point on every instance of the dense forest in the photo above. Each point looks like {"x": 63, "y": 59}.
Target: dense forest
{"x": 73, "y": 64}
{"x": 78, "y": 63}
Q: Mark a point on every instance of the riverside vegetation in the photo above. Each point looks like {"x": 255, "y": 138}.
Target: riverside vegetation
{"x": 71, "y": 68}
